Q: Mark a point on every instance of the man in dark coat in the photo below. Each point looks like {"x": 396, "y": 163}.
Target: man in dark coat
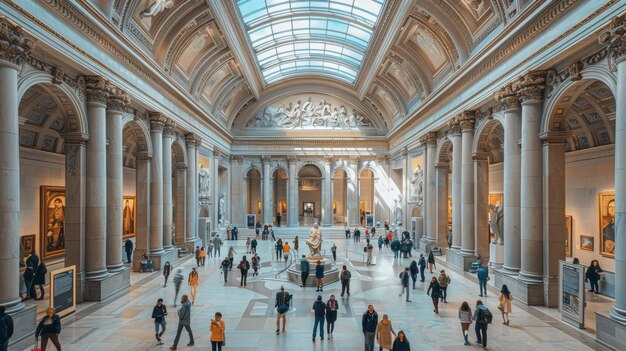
{"x": 368, "y": 325}
{"x": 32, "y": 262}
{"x": 235, "y": 233}
{"x": 128, "y": 246}
{"x": 6, "y": 329}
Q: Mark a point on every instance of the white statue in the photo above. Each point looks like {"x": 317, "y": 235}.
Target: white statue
{"x": 205, "y": 182}
{"x": 418, "y": 184}
{"x": 220, "y": 210}
{"x": 397, "y": 211}
{"x": 497, "y": 223}
{"x": 157, "y": 7}
{"x": 315, "y": 241}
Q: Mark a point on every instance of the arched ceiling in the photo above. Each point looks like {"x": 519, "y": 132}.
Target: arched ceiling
{"x": 386, "y": 54}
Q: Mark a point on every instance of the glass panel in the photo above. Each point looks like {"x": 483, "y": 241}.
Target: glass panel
{"x": 289, "y": 40}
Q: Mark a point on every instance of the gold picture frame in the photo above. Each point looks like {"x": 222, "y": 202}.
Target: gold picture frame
{"x": 586, "y": 242}
{"x": 606, "y": 220}
{"x": 450, "y": 210}
{"x": 27, "y": 245}
{"x": 129, "y": 217}
{"x": 568, "y": 238}
{"x": 52, "y": 236}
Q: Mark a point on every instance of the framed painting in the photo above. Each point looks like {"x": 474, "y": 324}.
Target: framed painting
{"x": 129, "y": 213}
{"x": 606, "y": 206}
{"x": 586, "y": 242}
{"x": 27, "y": 245}
{"x": 308, "y": 209}
{"x": 568, "y": 238}
{"x": 52, "y": 221}
{"x": 494, "y": 199}
{"x": 450, "y": 210}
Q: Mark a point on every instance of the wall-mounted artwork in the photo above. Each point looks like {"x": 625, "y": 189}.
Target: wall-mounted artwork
{"x": 449, "y": 210}
{"x": 607, "y": 223}
{"x": 129, "y": 213}
{"x": 494, "y": 199}
{"x": 52, "y": 221}
{"x": 308, "y": 209}
{"x": 27, "y": 245}
{"x": 568, "y": 238}
{"x": 586, "y": 242}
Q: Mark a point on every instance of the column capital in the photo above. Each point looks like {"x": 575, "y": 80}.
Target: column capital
{"x": 614, "y": 38}
{"x": 74, "y": 139}
{"x": 265, "y": 159}
{"x": 480, "y": 156}
{"x": 15, "y": 46}
{"x": 118, "y": 99}
{"x": 157, "y": 121}
{"x": 405, "y": 152}
{"x": 291, "y": 160}
{"x": 168, "y": 130}
{"x": 467, "y": 119}
{"x": 238, "y": 158}
{"x": 530, "y": 86}
{"x": 554, "y": 137}
{"x": 192, "y": 140}
{"x": 507, "y": 98}
{"x": 96, "y": 88}
{"x": 328, "y": 159}
{"x": 216, "y": 152}
{"x": 442, "y": 165}
{"x": 429, "y": 139}
{"x": 144, "y": 156}
{"x": 454, "y": 127}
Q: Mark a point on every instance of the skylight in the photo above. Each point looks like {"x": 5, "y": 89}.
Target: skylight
{"x": 299, "y": 37}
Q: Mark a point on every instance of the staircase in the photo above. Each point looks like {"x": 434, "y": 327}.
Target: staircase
{"x": 291, "y": 232}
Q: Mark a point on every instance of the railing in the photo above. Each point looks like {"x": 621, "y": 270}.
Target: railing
{"x": 355, "y": 253}
{"x": 292, "y": 259}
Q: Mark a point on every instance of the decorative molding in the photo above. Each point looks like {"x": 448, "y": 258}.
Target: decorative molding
{"x": 168, "y": 130}
{"x": 507, "y": 98}
{"x": 96, "y": 88}
{"x": 15, "y": 46}
{"x": 192, "y": 140}
{"x": 157, "y": 121}
{"x": 118, "y": 99}
{"x": 530, "y": 86}
{"x": 467, "y": 120}
{"x": 614, "y": 38}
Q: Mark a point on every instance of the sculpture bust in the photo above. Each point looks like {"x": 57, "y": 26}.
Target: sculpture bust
{"x": 315, "y": 240}
{"x": 157, "y": 7}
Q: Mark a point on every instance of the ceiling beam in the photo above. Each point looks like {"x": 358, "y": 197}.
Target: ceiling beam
{"x": 228, "y": 20}
{"x": 391, "y": 20}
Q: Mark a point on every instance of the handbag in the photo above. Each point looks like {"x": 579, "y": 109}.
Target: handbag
{"x": 36, "y": 343}
{"x": 283, "y": 307}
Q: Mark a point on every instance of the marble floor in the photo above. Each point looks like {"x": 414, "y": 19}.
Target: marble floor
{"x": 123, "y": 323}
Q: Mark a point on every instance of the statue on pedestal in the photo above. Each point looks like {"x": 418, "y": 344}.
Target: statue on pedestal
{"x": 315, "y": 241}
{"x": 418, "y": 185}
{"x": 220, "y": 210}
{"x": 497, "y": 223}
{"x": 205, "y": 183}
{"x": 397, "y": 211}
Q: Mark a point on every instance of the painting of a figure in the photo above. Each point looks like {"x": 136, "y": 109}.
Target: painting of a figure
{"x": 52, "y": 221}
{"x": 607, "y": 224}
{"x": 128, "y": 217}
{"x": 568, "y": 233}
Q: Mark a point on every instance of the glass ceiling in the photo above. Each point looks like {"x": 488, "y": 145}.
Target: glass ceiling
{"x": 327, "y": 37}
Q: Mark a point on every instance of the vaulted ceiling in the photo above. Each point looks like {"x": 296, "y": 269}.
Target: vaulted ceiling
{"x": 384, "y": 56}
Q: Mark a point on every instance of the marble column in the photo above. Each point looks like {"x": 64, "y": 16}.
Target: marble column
{"x": 292, "y": 193}
{"x": 96, "y": 199}
{"x": 466, "y": 121}
{"x": 441, "y": 203}
{"x": 554, "y": 229}
{"x": 142, "y": 223}
{"x": 168, "y": 139}
{"x": 354, "y": 216}
{"x": 430, "y": 200}
{"x": 192, "y": 143}
{"x": 115, "y": 173}
{"x": 15, "y": 49}
{"x": 406, "y": 175}
{"x": 530, "y": 89}
{"x": 267, "y": 192}
{"x": 481, "y": 206}
{"x": 157, "y": 123}
{"x": 611, "y": 330}
{"x": 216, "y": 190}
{"x": 512, "y": 167}
{"x": 181, "y": 203}
{"x": 455, "y": 137}
{"x": 327, "y": 195}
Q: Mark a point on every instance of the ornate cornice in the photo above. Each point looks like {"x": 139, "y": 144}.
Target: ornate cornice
{"x": 14, "y": 45}
{"x": 97, "y": 89}
{"x": 614, "y": 38}
{"x": 507, "y": 98}
{"x": 530, "y": 86}
{"x": 574, "y": 71}
{"x": 554, "y": 137}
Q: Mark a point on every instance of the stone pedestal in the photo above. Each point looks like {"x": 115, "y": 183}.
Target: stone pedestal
{"x": 24, "y": 324}
{"x": 158, "y": 260}
{"x": 100, "y": 289}
{"x": 459, "y": 260}
{"x": 331, "y": 273}
{"x": 528, "y": 292}
{"x": 610, "y": 332}
{"x": 496, "y": 255}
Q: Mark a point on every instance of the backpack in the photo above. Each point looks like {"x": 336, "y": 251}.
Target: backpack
{"x": 485, "y": 316}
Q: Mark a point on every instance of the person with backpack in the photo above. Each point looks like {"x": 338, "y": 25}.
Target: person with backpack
{"x": 380, "y": 243}
{"x": 319, "y": 276}
{"x": 444, "y": 281}
{"x": 369, "y": 322}
{"x": 167, "y": 269}
{"x": 235, "y": 232}
{"x": 197, "y": 255}
{"x": 331, "y": 315}
{"x": 253, "y": 245}
{"x": 158, "y": 314}
{"x": 465, "y": 316}
{"x": 193, "y": 282}
{"x": 256, "y": 264}
{"x": 422, "y": 264}
{"x": 483, "y": 276}
{"x": 319, "y": 308}
{"x": 243, "y": 267}
{"x": 6, "y": 329}
{"x": 225, "y": 266}
{"x": 304, "y": 270}
{"x": 395, "y": 248}
{"x": 431, "y": 262}
{"x": 281, "y": 303}
{"x": 49, "y": 328}
{"x": 40, "y": 279}
{"x": 178, "y": 281}
{"x": 505, "y": 298}
{"x": 345, "y": 277}
{"x": 184, "y": 321}
{"x": 434, "y": 290}
{"x": 404, "y": 280}
{"x": 347, "y": 230}
{"x": 278, "y": 247}
{"x": 483, "y": 318}
{"x": 357, "y": 235}
{"x": 414, "y": 270}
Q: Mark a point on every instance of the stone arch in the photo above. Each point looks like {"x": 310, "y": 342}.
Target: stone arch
{"x": 246, "y": 171}
{"x": 203, "y": 211}
{"x": 279, "y": 167}
{"x": 489, "y": 132}
{"x": 65, "y": 96}
{"x": 350, "y": 174}
{"x": 444, "y": 150}
{"x": 141, "y": 131}
{"x": 375, "y": 174}
{"x": 315, "y": 164}
{"x": 178, "y": 151}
